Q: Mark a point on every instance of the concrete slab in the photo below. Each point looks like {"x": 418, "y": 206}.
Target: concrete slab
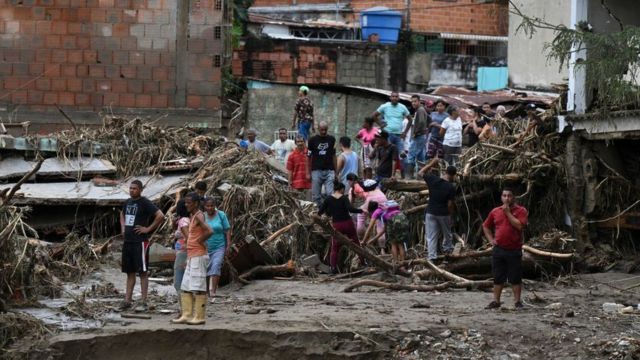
{"x": 86, "y": 193}
{"x": 54, "y": 167}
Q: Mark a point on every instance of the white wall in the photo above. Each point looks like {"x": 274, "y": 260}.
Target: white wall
{"x": 528, "y": 64}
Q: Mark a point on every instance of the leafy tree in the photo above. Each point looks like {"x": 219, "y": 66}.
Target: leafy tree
{"x": 612, "y": 62}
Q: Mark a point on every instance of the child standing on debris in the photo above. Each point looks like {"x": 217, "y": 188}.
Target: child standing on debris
{"x": 182, "y": 231}
{"x": 365, "y": 137}
{"x": 338, "y": 207}
{"x": 396, "y": 226}
{"x": 218, "y": 243}
{"x": 371, "y": 193}
{"x": 194, "y": 283}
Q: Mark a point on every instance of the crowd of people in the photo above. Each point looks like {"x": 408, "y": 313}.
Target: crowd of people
{"x": 346, "y": 186}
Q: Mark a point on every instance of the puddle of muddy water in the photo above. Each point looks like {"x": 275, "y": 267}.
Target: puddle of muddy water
{"x": 53, "y": 316}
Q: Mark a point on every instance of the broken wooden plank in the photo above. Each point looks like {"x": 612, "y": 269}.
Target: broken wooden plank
{"x": 135, "y": 316}
{"x": 276, "y": 234}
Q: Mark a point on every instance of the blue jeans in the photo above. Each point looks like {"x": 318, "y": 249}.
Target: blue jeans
{"x": 303, "y": 129}
{"x": 319, "y": 178}
{"x": 417, "y": 150}
{"x": 396, "y": 139}
{"x": 434, "y": 226}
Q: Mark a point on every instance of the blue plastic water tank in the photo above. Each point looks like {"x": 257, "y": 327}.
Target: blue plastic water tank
{"x": 382, "y": 21}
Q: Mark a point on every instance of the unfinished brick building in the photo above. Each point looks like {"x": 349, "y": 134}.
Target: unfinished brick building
{"x": 131, "y": 56}
{"x": 318, "y": 42}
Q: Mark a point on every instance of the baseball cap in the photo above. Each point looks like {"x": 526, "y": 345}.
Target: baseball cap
{"x": 369, "y": 185}
{"x": 304, "y": 88}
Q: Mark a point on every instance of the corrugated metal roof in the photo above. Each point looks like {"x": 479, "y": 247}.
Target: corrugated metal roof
{"x": 316, "y": 23}
{"x": 342, "y": 7}
{"x": 17, "y": 167}
{"x": 456, "y": 96}
{"x": 86, "y": 193}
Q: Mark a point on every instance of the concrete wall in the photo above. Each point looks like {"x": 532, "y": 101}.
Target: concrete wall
{"x": 270, "y": 107}
{"x": 362, "y": 68}
{"x": 418, "y": 71}
{"x": 86, "y": 55}
{"x": 528, "y": 64}
{"x": 459, "y": 70}
{"x": 625, "y": 10}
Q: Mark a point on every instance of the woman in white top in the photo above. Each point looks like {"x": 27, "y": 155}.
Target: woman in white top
{"x": 451, "y": 129}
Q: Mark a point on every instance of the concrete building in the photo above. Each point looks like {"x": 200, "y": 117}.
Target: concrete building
{"x": 528, "y": 65}
{"x": 601, "y": 144}
{"x": 122, "y": 56}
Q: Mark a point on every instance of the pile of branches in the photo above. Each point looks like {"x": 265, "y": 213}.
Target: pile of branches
{"x": 133, "y": 144}
{"x": 74, "y": 258}
{"x": 17, "y": 326}
{"x": 534, "y": 165}
{"x": 17, "y": 258}
{"x": 32, "y": 268}
{"x": 462, "y": 270}
{"x": 259, "y": 206}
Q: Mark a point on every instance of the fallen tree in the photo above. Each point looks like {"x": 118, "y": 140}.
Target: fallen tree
{"x": 287, "y": 269}
{"x": 358, "y": 250}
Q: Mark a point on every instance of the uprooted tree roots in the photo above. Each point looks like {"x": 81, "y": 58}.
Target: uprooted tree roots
{"x": 16, "y": 326}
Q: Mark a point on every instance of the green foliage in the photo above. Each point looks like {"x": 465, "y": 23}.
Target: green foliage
{"x": 612, "y": 61}
{"x": 240, "y": 17}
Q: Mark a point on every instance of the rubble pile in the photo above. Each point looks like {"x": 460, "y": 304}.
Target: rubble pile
{"x": 134, "y": 146}
{"x": 534, "y": 165}
{"x": 252, "y": 193}
{"x": 15, "y": 327}
{"x": 468, "y": 344}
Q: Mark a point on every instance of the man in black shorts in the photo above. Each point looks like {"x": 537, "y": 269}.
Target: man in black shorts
{"x": 138, "y": 219}
{"x": 508, "y": 221}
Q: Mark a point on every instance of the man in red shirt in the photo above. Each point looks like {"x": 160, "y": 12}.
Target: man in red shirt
{"x": 508, "y": 221}
{"x": 297, "y": 166}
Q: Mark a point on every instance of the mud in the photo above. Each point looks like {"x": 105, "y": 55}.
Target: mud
{"x": 311, "y": 319}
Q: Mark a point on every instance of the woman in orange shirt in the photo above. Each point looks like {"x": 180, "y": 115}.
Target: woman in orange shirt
{"x": 194, "y": 283}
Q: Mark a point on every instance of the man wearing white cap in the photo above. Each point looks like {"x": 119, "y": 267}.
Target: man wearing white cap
{"x": 303, "y": 114}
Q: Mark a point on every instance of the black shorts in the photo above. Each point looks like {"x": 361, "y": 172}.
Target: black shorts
{"x": 135, "y": 257}
{"x": 506, "y": 265}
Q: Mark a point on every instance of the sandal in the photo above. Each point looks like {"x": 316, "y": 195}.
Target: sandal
{"x": 518, "y": 305}
{"x": 212, "y": 298}
{"x": 493, "y": 305}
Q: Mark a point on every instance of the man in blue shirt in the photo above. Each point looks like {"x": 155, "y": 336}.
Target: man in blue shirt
{"x": 394, "y": 112}
{"x": 255, "y": 144}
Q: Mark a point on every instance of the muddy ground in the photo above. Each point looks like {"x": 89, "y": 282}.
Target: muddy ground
{"x": 314, "y": 319}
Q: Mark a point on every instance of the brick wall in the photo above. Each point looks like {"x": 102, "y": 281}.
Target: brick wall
{"x": 89, "y": 54}
{"x": 298, "y": 62}
{"x": 292, "y": 64}
{"x": 462, "y": 16}
{"x": 434, "y": 16}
